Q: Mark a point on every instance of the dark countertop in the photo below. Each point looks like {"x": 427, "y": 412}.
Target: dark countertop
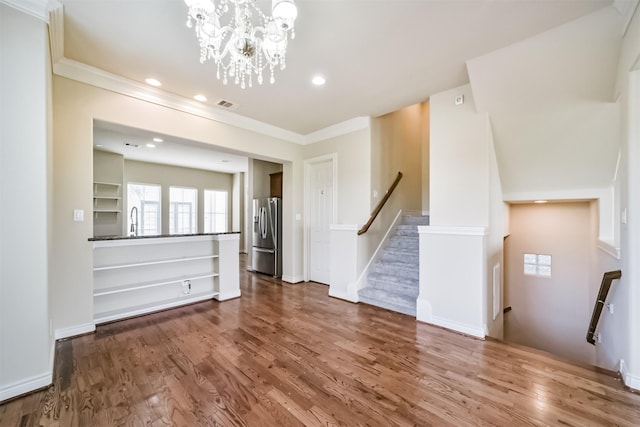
{"x": 103, "y": 238}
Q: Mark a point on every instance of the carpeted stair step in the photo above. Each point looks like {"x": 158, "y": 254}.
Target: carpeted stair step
{"x": 388, "y": 300}
{"x": 393, "y": 282}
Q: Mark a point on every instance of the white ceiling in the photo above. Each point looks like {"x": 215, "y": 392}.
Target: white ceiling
{"x": 377, "y": 55}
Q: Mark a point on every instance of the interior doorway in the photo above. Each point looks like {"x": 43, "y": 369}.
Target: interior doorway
{"x": 547, "y": 257}
{"x": 320, "y": 204}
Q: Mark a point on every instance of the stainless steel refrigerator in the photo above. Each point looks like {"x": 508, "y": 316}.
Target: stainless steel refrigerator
{"x": 266, "y": 253}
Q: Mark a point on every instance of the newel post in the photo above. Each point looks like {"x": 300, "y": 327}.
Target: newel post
{"x": 344, "y": 262}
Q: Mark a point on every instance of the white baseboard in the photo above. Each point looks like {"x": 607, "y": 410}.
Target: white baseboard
{"x": 630, "y": 380}
{"x": 473, "y": 330}
{"x": 423, "y": 310}
{"x": 73, "y": 331}
{"x": 26, "y": 385}
{"x": 292, "y": 279}
{"x": 227, "y": 295}
{"x": 343, "y": 295}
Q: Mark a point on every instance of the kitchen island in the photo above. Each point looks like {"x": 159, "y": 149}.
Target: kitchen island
{"x": 136, "y": 275}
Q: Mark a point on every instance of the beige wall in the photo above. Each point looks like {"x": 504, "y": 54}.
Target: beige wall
{"x": 261, "y": 179}
{"x": 551, "y": 314}
{"x": 176, "y": 176}
{"x": 76, "y": 105}
{"x": 353, "y": 153}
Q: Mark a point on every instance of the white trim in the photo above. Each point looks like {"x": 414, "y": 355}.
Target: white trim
{"x": 344, "y": 227}
{"x": 347, "y": 296}
{"x": 608, "y": 248}
{"x": 342, "y": 128}
{"x": 26, "y": 385}
{"x": 423, "y": 310}
{"x": 56, "y": 31}
{"x": 306, "y": 239}
{"x": 139, "y": 241}
{"x": 293, "y": 279}
{"x": 556, "y": 195}
{"x": 630, "y": 380}
{"x": 362, "y": 282}
{"x": 37, "y": 8}
{"x": 93, "y": 76}
{"x": 227, "y": 295}
{"x": 478, "y": 332}
{"x": 457, "y": 231}
{"x": 73, "y": 331}
{"x": 96, "y": 77}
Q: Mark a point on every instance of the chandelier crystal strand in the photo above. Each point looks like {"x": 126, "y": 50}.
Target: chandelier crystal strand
{"x": 248, "y": 42}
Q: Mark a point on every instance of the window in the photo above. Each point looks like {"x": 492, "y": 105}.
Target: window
{"x": 143, "y": 201}
{"x": 537, "y": 265}
{"x": 215, "y": 211}
{"x": 183, "y": 209}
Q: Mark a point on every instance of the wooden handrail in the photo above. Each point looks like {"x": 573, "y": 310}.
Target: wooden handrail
{"x": 607, "y": 278}
{"x": 378, "y": 208}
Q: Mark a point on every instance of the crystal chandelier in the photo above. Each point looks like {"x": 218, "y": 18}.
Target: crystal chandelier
{"x": 248, "y": 43}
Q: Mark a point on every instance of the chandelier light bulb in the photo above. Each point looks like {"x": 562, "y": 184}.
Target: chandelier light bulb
{"x": 244, "y": 42}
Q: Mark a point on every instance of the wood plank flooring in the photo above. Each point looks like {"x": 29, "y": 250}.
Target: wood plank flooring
{"x": 288, "y": 355}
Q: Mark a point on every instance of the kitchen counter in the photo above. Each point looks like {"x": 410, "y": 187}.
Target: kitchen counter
{"x": 101, "y": 238}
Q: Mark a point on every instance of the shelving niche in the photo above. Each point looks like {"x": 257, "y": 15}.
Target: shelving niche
{"x": 138, "y": 276}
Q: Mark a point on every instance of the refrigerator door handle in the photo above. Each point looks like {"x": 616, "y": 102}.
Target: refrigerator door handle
{"x": 268, "y": 251}
{"x": 263, "y": 225}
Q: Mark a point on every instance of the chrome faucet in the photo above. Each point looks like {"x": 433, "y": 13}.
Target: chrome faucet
{"x": 134, "y": 221}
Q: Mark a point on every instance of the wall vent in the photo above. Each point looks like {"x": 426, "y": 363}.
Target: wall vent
{"x": 226, "y": 104}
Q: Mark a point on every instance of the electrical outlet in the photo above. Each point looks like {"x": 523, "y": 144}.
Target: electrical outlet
{"x": 610, "y": 307}
{"x": 599, "y": 337}
{"x": 186, "y": 287}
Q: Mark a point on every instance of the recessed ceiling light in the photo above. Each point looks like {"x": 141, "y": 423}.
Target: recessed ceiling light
{"x": 151, "y": 145}
{"x": 153, "y": 82}
{"x": 540, "y": 201}
{"x": 157, "y": 140}
{"x": 200, "y": 98}
{"x": 98, "y": 145}
{"x": 318, "y": 80}
{"x": 225, "y": 161}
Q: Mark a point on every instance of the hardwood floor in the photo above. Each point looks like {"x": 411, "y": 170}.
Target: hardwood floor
{"x": 288, "y": 355}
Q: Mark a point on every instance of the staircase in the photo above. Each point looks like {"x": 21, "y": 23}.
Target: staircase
{"x": 393, "y": 280}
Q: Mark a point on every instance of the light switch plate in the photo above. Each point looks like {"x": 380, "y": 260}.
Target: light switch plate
{"x": 78, "y": 215}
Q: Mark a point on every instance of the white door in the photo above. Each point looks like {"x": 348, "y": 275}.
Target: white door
{"x": 320, "y": 217}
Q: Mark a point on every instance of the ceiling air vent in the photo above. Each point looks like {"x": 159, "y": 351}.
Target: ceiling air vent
{"x": 226, "y": 104}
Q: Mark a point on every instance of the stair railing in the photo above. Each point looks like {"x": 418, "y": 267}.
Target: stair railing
{"x": 607, "y": 278}
{"x": 380, "y": 205}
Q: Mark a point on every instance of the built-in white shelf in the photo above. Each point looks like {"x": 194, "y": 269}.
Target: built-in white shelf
{"x": 151, "y": 284}
{"x": 110, "y": 316}
{"x": 107, "y": 211}
{"x": 134, "y": 276}
{"x": 96, "y": 197}
{"x": 154, "y": 262}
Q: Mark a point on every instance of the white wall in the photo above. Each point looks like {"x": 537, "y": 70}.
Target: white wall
{"x": 621, "y": 331}
{"x": 26, "y": 345}
{"x": 551, "y": 105}
{"x": 76, "y": 105}
{"x": 463, "y": 243}
{"x": 459, "y": 161}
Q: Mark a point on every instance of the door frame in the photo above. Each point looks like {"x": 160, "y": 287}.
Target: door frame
{"x": 308, "y": 164}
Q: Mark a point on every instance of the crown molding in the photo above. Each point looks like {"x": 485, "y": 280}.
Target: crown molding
{"x": 56, "y": 31}
{"x": 342, "y": 128}
{"x": 36, "y": 8}
{"x": 93, "y": 76}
